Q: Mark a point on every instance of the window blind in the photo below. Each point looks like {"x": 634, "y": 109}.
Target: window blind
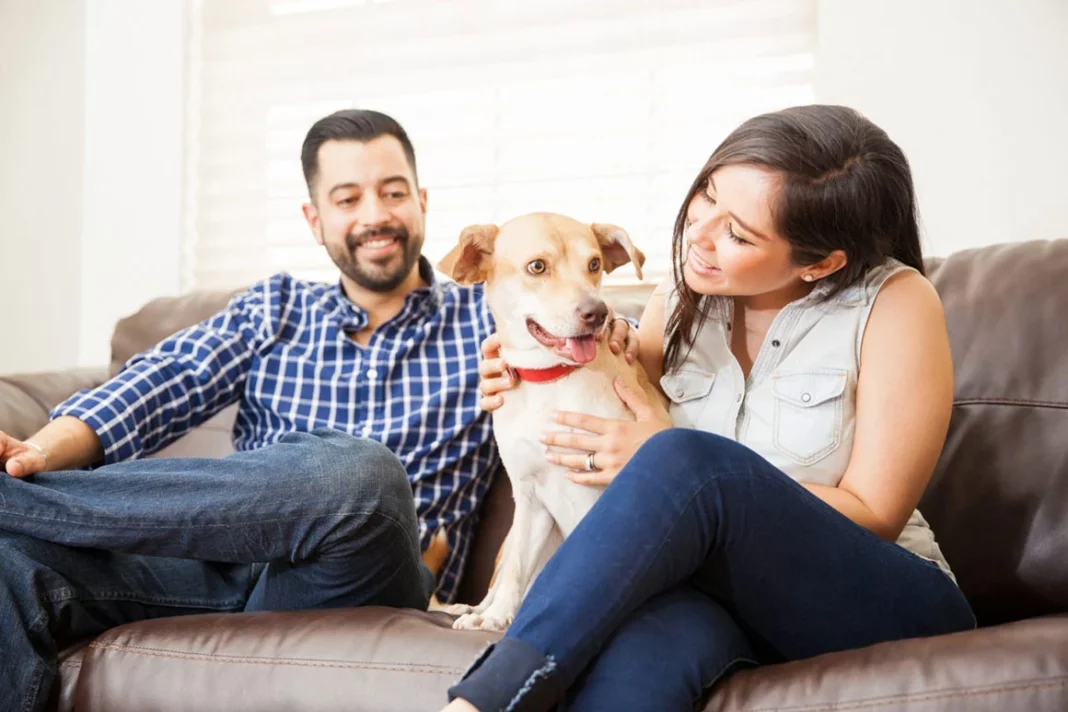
{"x": 603, "y": 110}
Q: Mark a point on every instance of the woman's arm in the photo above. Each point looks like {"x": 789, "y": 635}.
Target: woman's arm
{"x": 904, "y": 400}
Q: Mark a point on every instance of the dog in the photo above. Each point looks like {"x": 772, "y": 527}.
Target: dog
{"x": 542, "y": 275}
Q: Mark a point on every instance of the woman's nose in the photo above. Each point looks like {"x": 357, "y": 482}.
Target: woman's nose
{"x": 700, "y": 227}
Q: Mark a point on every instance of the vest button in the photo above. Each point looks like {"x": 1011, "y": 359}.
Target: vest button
{"x": 776, "y": 343}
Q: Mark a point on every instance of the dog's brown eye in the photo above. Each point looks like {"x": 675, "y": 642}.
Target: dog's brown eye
{"x": 595, "y": 264}
{"x": 536, "y": 267}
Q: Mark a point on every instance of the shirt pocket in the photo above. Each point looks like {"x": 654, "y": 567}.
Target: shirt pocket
{"x": 688, "y": 390}
{"x": 808, "y": 413}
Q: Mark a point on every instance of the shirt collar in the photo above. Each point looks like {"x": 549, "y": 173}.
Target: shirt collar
{"x": 352, "y": 317}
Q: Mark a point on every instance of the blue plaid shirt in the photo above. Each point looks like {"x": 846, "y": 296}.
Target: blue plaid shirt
{"x": 282, "y": 350}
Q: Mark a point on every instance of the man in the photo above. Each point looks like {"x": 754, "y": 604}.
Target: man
{"x": 352, "y": 397}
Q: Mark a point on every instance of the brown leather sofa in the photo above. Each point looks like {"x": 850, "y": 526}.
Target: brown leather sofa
{"x": 998, "y": 503}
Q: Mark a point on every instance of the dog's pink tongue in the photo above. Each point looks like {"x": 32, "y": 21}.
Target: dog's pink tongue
{"x": 581, "y": 350}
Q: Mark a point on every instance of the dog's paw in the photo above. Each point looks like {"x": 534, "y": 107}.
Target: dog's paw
{"x": 456, "y": 609}
{"x": 482, "y": 621}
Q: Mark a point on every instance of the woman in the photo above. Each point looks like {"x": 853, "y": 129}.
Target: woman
{"x": 808, "y": 368}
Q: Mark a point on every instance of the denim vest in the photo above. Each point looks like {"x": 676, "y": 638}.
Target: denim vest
{"x": 797, "y": 408}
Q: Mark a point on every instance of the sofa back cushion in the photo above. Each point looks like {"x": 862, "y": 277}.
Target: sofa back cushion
{"x": 160, "y": 318}
{"x": 998, "y": 501}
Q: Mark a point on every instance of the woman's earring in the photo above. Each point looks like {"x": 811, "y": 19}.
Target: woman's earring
{"x": 808, "y": 278}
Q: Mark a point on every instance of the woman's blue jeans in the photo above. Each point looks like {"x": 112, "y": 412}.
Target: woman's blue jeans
{"x": 702, "y": 557}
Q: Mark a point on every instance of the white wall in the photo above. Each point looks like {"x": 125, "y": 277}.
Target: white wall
{"x": 41, "y": 125}
{"x": 976, "y": 93}
{"x": 91, "y": 116}
{"x": 131, "y": 238}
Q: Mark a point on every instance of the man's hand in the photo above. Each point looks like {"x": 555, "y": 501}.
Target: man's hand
{"x": 19, "y": 459}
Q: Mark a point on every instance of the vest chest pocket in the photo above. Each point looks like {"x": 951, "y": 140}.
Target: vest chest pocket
{"x": 688, "y": 390}
{"x": 808, "y": 414}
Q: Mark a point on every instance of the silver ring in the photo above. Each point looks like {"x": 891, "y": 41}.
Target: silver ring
{"x": 590, "y": 467}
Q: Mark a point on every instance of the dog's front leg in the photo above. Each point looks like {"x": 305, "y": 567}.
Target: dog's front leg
{"x": 460, "y": 609}
{"x": 532, "y": 523}
{"x": 516, "y": 579}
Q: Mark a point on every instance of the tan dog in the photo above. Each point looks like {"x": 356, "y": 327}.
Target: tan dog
{"x": 543, "y": 276}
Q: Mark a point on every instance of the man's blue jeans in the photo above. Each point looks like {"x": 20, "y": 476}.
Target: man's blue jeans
{"x": 315, "y": 521}
{"x": 702, "y": 557}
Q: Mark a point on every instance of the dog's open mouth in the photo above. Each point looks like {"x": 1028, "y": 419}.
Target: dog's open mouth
{"x": 580, "y": 349}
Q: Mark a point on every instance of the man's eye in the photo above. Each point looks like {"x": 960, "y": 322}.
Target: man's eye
{"x": 536, "y": 267}
{"x": 346, "y": 202}
{"x": 595, "y": 264}
{"x": 396, "y": 195}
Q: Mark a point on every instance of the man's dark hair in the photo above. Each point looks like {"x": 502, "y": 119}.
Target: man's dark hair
{"x": 351, "y": 125}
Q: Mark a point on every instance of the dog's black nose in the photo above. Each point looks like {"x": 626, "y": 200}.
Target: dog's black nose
{"x": 593, "y": 313}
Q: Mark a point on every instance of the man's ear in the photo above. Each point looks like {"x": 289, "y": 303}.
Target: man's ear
{"x": 311, "y": 215}
{"x": 617, "y": 247}
{"x": 469, "y": 261}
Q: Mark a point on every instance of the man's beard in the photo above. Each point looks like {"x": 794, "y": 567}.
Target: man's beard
{"x": 378, "y": 275}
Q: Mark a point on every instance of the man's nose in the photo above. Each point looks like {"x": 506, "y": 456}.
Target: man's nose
{"x": 372, "y": 210}
{"x": 592, "y": 313}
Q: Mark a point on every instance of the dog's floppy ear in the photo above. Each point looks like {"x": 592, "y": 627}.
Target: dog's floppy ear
{"x": 468, "y": 262}
{"x": 617, "y": 247}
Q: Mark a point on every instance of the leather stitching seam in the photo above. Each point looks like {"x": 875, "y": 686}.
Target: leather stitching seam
{"x": 296, "y": 662}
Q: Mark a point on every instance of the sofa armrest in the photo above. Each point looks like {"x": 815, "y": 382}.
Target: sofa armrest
{"x": 25, "y": 400}
{"x": 1015, "y": 666}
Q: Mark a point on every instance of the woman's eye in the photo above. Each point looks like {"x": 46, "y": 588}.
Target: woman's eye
{"x": 595, "y": 264}
{"x": 735, "y": 238}
{"x": 536, "y": 267}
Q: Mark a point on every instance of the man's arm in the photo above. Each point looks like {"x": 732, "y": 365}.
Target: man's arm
{"x": 158, "y": 396}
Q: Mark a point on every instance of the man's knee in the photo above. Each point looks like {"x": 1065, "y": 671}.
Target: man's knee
{"x": 344, "y": 469}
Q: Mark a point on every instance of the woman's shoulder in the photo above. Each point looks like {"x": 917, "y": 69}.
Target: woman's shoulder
{"x": 906, "y": 308}
{"x": 907, "y": 288}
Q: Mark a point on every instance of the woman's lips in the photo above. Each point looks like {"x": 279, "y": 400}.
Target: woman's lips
{"x": 700, "y": 266}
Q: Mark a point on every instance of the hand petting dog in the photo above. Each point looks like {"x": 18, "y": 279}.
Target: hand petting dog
{"x": 608, "y": 443}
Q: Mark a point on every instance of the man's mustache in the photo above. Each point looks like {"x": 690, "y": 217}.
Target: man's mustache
{"x": 354, "y": 241}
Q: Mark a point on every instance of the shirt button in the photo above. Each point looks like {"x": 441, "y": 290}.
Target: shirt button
{"x": 738, "y": 398}
{"x": 776, "y": 343}
{"x": 372, "y": 374}
{"x": 806, "y": 397}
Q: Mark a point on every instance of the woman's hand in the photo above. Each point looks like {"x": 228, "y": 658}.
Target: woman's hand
{"x": 495, "y": 377}
{"x": 609, "y": 444}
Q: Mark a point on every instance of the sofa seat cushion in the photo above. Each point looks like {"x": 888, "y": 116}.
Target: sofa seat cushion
{"x": 377, "y": 659}
{"x": 1016, "y": 666}
{"x": 380, "y": 659}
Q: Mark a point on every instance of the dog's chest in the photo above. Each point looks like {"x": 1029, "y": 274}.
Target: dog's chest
{"x": 528, "y": 413}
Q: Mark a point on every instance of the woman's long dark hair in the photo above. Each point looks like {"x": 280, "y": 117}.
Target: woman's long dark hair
{"x": 843, "y": 185}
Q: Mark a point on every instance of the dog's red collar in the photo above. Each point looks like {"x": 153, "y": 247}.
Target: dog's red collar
{"x": 545, "y": 375}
